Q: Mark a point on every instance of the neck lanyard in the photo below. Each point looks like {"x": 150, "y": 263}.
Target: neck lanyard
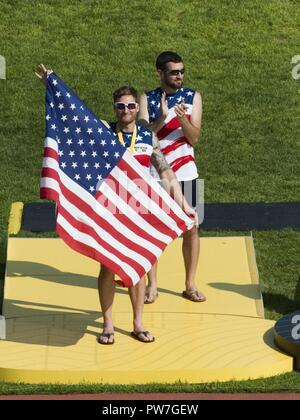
{"x": 133, "y": 139}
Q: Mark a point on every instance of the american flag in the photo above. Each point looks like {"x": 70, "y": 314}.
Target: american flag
{"x": 108, "y": 207}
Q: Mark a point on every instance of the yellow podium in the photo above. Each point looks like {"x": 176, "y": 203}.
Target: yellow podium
{"x": 53, "y": 317}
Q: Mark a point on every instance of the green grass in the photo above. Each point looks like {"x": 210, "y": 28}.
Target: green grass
{"x": 237, "y": 54}
{"x": 281, "y": 383}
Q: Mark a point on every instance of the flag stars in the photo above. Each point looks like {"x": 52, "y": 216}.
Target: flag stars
{"x": 54, "y": 82}
{"x": 190, "y": 93}
{"x": 88, "y": 150}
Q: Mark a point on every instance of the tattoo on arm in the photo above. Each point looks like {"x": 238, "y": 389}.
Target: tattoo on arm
{"x": 157, "y": 159}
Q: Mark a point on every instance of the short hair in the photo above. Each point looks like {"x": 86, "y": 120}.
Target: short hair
{"x": 167, "y": 57}
{"x": 125, "y": 90}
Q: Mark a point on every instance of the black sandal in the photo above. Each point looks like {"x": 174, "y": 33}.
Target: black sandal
{"x": 136, "y": 336}
{"x": 106, "y": 335}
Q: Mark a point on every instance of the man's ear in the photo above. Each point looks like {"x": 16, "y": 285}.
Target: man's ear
{"x": 159, "y": 74}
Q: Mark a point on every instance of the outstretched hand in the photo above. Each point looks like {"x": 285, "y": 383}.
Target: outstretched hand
{"x": 42, "y": 73}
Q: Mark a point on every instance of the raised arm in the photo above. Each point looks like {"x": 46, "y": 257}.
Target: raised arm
{"x": 42, "y": 73}
{"x": 143, "y": 116}
{"x": 42, "y": 76}
{"x": 191, "y": 128}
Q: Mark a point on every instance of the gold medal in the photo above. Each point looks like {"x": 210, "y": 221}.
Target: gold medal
{"x": 133, "y": 139}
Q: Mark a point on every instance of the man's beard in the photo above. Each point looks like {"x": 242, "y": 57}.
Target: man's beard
{"x": 174, "y": 85}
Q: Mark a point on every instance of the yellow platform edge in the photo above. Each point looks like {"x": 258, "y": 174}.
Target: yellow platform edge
{"x": 249, "y": 241}
{"x": 140, "y": 378}
{"x": 15, "y": 218}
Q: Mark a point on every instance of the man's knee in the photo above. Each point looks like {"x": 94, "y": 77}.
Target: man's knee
{"x": 192, "y": 233}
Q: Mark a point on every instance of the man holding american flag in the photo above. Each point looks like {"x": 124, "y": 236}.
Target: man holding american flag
{"x": 108, "y": 206}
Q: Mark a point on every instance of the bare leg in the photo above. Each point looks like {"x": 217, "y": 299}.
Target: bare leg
{"x": 191, "y": 251}
{"x": 106, "y": 289}
{"x": 151, "y": 290}
{"x": 137, "y": 294}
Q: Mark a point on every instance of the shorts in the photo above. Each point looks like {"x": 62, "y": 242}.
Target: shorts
{"x": 193, "y": 193}
{"x": 190, "y": 191}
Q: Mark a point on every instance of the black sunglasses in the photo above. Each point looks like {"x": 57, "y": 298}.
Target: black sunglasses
{"x": 175, "y": 72}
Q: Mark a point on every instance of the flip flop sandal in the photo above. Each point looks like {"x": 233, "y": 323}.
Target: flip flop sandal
{"x": 106, "y": 335}
{"x": 192, "y": 296}
{"x": 151, "y": 297}
{"x": 136, "y": 336}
